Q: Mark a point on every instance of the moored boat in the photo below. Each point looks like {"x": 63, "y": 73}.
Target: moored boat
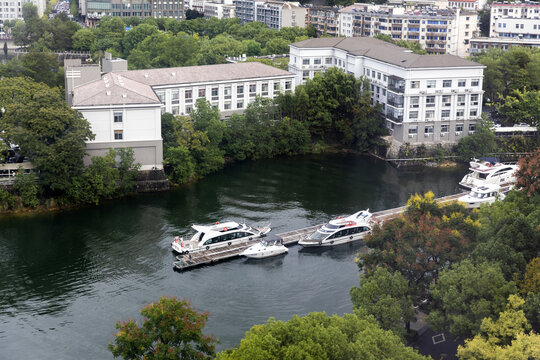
{"x": 219, "y": 235}
{"x": 486, "y": 194}
{"x": 489, "y": 171}
{"x": 267, "y": 247}
{"x": 341, "y": 230}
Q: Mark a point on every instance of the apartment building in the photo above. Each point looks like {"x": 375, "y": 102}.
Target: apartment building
{"x": 124, "y": 107}
{"x": 223, "y": 9}
{"x": 439, "y": 31}
{"x": 94, "y": 10}
{"x": 515, "y": 20}
{"x": 425, "y": 99}
{"x": 12, "y": 9}
{"x": 278, "y": 14}
{"x": 463, "y": 4}
{"x": 245, "y": 10}
{"x": 325, "y": 19}
{"x": 484, "y": 43}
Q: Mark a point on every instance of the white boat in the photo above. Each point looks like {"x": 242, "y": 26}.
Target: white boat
{"x": 219, "y": 235}
{"x": 341, "y": 230}
{"x": 267, "y": 247}
{"x": 489, "y": 171}
{"x": 486, "y": 194}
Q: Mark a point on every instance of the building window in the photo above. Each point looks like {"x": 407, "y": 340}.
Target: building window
{"x": 428, "y": 130}
{"x": 118, "y": 134}
{"x": 227, "y": 105}
{"x": 305, "y": 62}
{"x": 378, "y": 76}
{"x": 328, "y": 61}
{"x": 431, "y": 84}
{"x": 415, "y": 102}
{"x": 445, "y": 113}
{"x": 317, "y": 61}
{"x": 430, "y": 115}
{"x": 474, "y": 99}
{"x": 305, "y": 74}
{"x": 444, "y": 128}
{"x": 413, "y": 115}
{"x": 461, "y": 100}
{"x": 161, "y": 96}
{"x": 415, "y": 84}
{"x": 459, "y": 127}
{"x": 202, "y": 93}
{"x": 117, "y": 117}
{"x": 447, "y": 83}
{"x": 174, "y": 96}
{"x": 475, "y": 82}
{"x": 239, "y": 104}
{"x": 459, "y": 113}
{"x": 472, "y": 127}
{"x": 276, "y": 86}
{"x": 461, "y": 83}
{"x": 240, "y": 90}
{"x": 473, "y": 112}
{"x": 430, "y": 101}
{"x": 227, "y": 92}
{"x": 252, "y": 89}
{"x": 189, "y": 96}
{"x": 447, "y": 100}
{"x": 287, "y": 85}
{"x": 264, "y": 89}
{"x": 413, "y": 130}
{"x": 175, "y": 110}
{"x": 215, "y": 93}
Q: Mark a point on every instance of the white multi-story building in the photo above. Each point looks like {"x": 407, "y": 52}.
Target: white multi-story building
{"x": 124, "y": 107}
{"x": 245, "y": 10}
{"x": 425, "y": 99}
{"x": 438, "y": 31}
{"x": 463, "y": 4}
{"x": 278, "y": 14}
{"x": 223, "y": 9}
{"x": 12, "y": 9}
{"x": 515, "y": 20}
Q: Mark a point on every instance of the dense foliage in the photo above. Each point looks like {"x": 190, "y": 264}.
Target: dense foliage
{"x": 529, "y": 173}
{"x": 318, "y": 336}
{"x": 171, "y": 329}
{"x": 333, "y": 107}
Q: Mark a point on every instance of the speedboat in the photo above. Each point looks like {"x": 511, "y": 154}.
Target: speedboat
{"x": 267, "y": 247}
{"x": 489, "y": 171}
{"x": 341, "y": 230}
{"x": 486, "y": 194}
{"x": 219, "y": 235}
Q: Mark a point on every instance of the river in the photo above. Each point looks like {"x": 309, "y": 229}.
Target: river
{"x": 67, "y": 277}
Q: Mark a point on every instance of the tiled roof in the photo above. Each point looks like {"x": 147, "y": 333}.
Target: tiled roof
{"x": 201, "y": 74}
{"x": 386, "y": 52}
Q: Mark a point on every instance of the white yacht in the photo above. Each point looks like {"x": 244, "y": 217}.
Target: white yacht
{"x": 341, "y": 230}
{"x": 489, "y": 171}
{"x": 486, "y": 194}
{"x": 267, "y": 247}
{"x": 217, "y": 236}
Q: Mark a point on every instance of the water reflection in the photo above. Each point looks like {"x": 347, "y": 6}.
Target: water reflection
{"x": 67, "y": 277}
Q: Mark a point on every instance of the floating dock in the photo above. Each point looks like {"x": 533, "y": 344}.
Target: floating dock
{"x": 289, "y": 238}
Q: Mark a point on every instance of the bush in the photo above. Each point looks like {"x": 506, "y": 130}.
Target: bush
{"x": 26, "y": 187}
{"x": 6, "y": 200}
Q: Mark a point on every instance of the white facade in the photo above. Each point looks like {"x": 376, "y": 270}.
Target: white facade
{"x": 220, "y": 10}
{"x": 515, "y": 20}
{"x": 12, "y": 9}
{"x": 438, "y": 31}
{"x": 463, "y": 4}
{"x": 423, "y": 100}
{"x": 278, "y": 14}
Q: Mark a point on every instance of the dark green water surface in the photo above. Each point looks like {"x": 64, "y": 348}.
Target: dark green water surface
{"x": 67, "y": 277}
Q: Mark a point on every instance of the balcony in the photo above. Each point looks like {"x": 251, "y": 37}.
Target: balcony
{"x": 395, "y": 116}
{"x": 396, "y": 84}
{"x": 395, "y": 101}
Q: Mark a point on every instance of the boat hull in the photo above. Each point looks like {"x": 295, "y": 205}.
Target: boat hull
{"x": 333, "y": 242}
{"x": 265, "y": 254}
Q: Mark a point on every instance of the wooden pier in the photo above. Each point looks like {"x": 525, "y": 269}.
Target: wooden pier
{"x": 289, "y": 238}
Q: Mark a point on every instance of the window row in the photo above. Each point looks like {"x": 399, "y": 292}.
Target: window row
{"x": 445, "y": 114}
{"x": 431, "y": 84}
{"x": 446, "y": 100}
{"x": 445, "y": 128}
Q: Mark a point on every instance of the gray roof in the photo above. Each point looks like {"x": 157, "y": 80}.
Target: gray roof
{"x": 386, "y": 52}
{"x": 201, "y": 74}
{"x": 113, "y": 89}
{"x": 135, "y": 86}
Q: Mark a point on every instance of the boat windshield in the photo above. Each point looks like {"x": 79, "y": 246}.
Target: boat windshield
{"x": 318, "y": 236}
{"x": 332, "y": 226}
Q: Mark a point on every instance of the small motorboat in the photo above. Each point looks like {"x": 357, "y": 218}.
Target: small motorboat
{"x": 267, "y": 247}
{"x": 341, "y": 230}
{"x": 488, "y": 171}
{"x": 485, "y": 194}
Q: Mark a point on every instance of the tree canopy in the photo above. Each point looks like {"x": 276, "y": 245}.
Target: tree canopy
{"x": 528, "y": 175}
{"x": 171, "y": 329}
{"x": 318, "y": 336}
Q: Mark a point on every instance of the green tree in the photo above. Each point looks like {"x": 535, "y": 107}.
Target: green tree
{"x": 62, "y": 30}
{"x": 521, "y": 107}
{"x": 42, "y": 67}
{"x": 480, "y": 143}
{"x": 505, "y": 338}
{"x": 135, "y": 36}
{"x": 467, "y": 293}
{"x": 171, "y": 329}
{"x": 385, "y": 296}
{"x": 48, "y": 131}
{"x": 84, "y": 40}
{"x": 531, "y": 278}
{"x": 425, "y": 240}
{"x": 318, "y": 336}
{"x": 25, "y": 185}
